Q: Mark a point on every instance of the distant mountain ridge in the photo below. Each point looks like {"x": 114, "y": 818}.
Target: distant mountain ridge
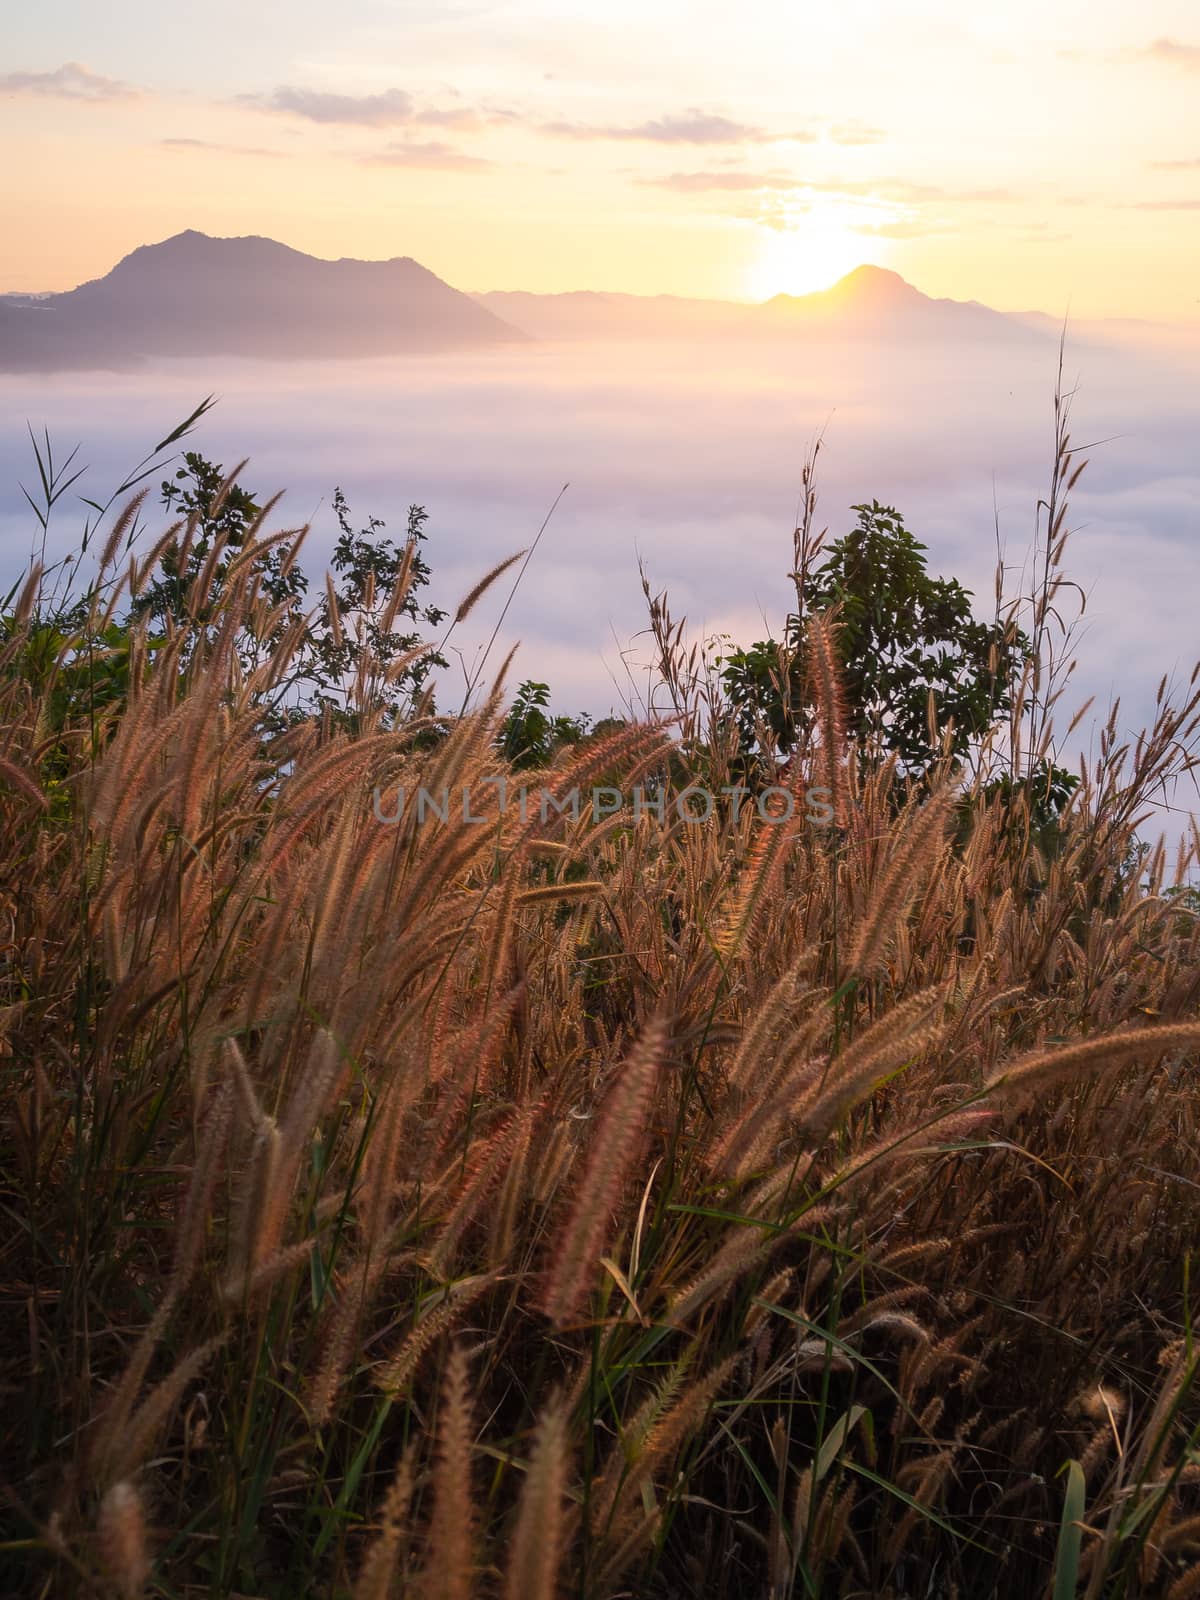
{"x": 870, "y": 302}
{"x": 194, "y": 295}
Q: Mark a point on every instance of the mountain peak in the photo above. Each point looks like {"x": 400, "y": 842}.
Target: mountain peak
{"x": 877, "y": 299}
{"x": 206, "y": 252}
{"x": 869, "y": 282}
{"x": 193, "y": 294}
{"x": 205, "y": 249}
{"x": 866, "y": 291}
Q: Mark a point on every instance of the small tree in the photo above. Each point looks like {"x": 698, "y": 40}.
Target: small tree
{"x": 531, "y": 735}
{"x": 368, "y": 566}
{"x": 917, "y": 665}
{"x": 358, "y": 633}
{"x": 195, "y": 496}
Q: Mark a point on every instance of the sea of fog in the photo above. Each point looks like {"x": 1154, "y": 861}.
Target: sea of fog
{"x": 688, "y": 460}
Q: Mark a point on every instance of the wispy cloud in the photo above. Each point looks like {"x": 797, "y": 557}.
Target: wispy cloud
{"x": 1164, "y": 52}
{"x": 693, "y": 126}
{"x": 223, "y": 149}
{"x": 388, "y": 109}
{"x": 429, "y": 154}
{"x": 855, "y": 133}
{"x": 701, "y": 182}
{"x": 1188, "y": 164}
{"x": 1166, "y": 205}
{"x": 461, "y": 118}
{"x": 698, "y": 127}
{"x": 71, "y": 81}
{"x": 1172, "y": 53}
{"x": 986, "y": 197}
{"x": 904, "y": 228}
{"x": 898, "y": 191}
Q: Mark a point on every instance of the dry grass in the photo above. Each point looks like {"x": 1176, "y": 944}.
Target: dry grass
{"x": 773, "y": 1211}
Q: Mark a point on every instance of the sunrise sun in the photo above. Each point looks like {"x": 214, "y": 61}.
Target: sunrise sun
{"x": 808, "y": 254}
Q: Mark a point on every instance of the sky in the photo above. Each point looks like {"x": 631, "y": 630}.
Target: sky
{"x": 1040, "y": 155}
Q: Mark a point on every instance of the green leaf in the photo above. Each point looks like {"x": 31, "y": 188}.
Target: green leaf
{"x": 834, "y": 1441}
{"x": 1070, "y": 1535}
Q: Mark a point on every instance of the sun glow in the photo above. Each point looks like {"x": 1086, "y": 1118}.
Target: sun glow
{"x": 806, "y": 255}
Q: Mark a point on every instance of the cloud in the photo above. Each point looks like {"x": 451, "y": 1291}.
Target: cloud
{"x": 855, "y": 133}
{"x": 428, "y": 154}
{"x": 691, "y": 464}
{"x": 987, "y": 197}
{"x": 461, "y": 118}
{"x": 1172, "y": 53}
{"x": 390, "y": 108}
{"x": 692, "y": 126}
{"x": 387, "y": 109}
{"x": 916, "y": 228}
{"x": 1190, "y": 164}
{"x": 902, "y": 192}
{"x": 1165, "y": 205}
{"x": 899, "y": 191}
{"x": 71, "y": 81}
{"x": 702, "y": 182}
{"x": 223, "y": 149}
{"x": 1165, "y": 52}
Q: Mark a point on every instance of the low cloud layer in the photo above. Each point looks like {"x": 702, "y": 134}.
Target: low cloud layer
{"x": 687, "y": 458}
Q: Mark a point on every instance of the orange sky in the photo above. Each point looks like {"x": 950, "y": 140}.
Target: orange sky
{"x": 1047, "y": 157}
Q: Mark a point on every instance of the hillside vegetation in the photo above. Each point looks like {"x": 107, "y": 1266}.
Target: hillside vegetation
{"x": 551, "y": 1206}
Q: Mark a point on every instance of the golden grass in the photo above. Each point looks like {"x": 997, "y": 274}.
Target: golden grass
{"x": 561, "y": 1208}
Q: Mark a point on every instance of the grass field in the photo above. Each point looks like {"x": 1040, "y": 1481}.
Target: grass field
{"x": 579, "y": 1207}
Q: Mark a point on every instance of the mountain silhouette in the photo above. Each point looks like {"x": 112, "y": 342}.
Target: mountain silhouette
{"x": 875, "y": 300}
{"x": 870, "y": 302}
{"x": 193, "y": 295}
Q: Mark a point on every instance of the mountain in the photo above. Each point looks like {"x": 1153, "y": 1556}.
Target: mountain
{"x": 869, "y": 302}
{"x": 193, "y": 295}
{"x": 874, "y": 300}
